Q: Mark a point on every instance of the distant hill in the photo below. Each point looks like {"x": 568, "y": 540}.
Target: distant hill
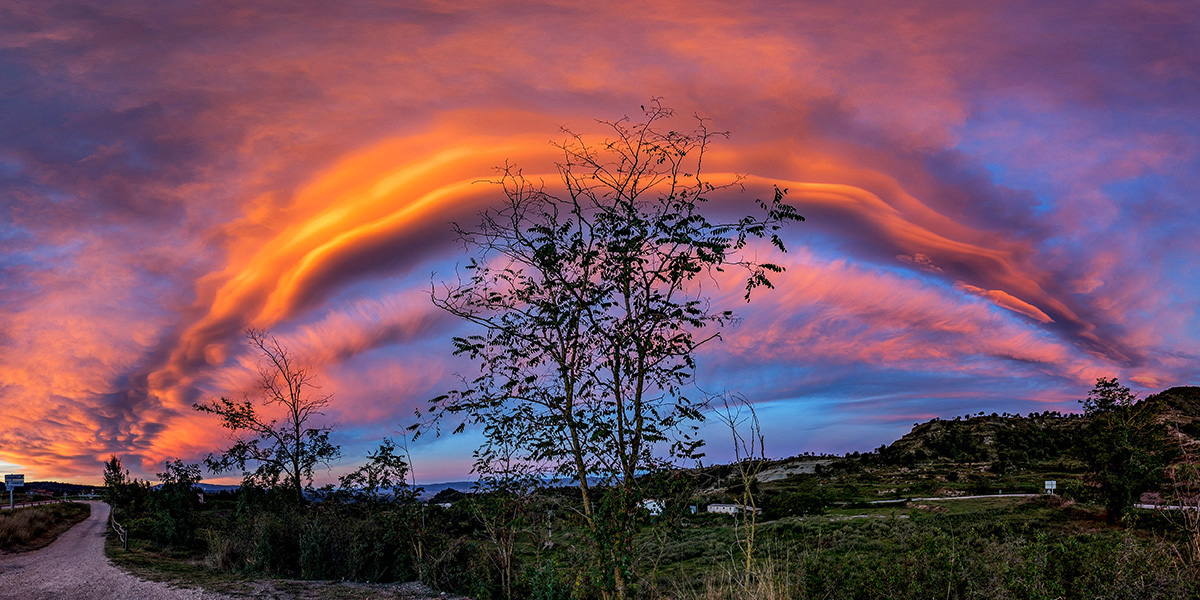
{"x": 995, "y": 439}
{"x": 56, "y": 487}
{"x": 429, "y": 490}
{"x": 212, "y": 488}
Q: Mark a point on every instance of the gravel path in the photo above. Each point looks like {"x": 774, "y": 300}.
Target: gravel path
{"x": 74, "y": 568}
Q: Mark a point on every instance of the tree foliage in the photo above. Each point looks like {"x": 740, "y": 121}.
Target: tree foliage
{"x": 176, "y": 502}
{"x": 592, "y": 303}
{"x": 384, "y": 476}
{"x": 124, "y": 494}
{"x": 280, "y": 451}
{"x": 116, "y": 481}
{"x": 1126, "y": 449}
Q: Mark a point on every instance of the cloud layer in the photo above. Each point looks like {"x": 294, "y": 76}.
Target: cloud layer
{"x": 997, "y": 199}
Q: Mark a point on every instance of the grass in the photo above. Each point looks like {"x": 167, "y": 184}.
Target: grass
{"x": 188, "y": 570}
{"x": 28, "y": 529}
{"x": 867, "y": 481}
{"x": 986, "y": 548}
{"x": 170, "y": 566}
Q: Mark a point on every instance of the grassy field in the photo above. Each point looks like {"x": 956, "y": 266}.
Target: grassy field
{"x": 986, "y": 548}
{"x": 922, "y": 518}
{"x": 26, "y": 529}
{"x": 188, "y": 569}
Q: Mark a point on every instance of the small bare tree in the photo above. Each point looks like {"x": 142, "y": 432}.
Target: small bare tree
{"x": 1183, "y": 496}
{"x": 502, "y": 504}
{"x": 282, "y": 451}
{"x": 749, "y": 455}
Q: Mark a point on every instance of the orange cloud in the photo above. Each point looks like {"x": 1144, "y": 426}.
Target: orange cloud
{"x": 1006, "y": 300}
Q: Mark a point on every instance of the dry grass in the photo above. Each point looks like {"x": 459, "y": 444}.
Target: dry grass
{"x": 767, "y": 580}
{"x": 177, "y": 571}
{"x": 26, "y": 529}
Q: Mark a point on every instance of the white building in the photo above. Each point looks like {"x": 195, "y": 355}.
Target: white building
{"x": 654, "y": 507}
{"x": 730, "y": 509}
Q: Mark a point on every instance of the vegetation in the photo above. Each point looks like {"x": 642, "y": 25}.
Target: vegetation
{"x": 281, "y": 452}
{"x": 1024, "y": 550}
{"x": 175, "y": 502}
{"x": 26, "y": 529}
{"x": 1126, "y": 448}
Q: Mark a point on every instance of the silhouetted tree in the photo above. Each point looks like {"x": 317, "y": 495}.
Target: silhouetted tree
{"x": 1125, "y": 449}
{"x": 116, "y": 482}
{"x": 176, "y": 501}
{"x": 592, "y": 311}
{"x": 384, "y": 477}
{"x": 127, "y": 496}
{"x": 281, "y": 451}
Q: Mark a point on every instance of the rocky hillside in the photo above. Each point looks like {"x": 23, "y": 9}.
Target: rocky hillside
{"x": 1004, "y": 438}
{"x": 1179, "y": 407}
{"x": 1019, "y": 439}
{"x": 989, "y": 438}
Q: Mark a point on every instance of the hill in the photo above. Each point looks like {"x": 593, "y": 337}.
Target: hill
{"x": 1014, "y": 439}
{"x": 1021, "y": 439}
{"x": 971, "y": 454}
{"x": 1179, "y": 408}
{"x": 57, "y": 488}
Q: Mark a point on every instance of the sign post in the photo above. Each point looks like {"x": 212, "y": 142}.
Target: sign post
{"x": 13, "y": 481}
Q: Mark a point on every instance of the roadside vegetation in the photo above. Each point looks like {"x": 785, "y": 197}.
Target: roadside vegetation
{"x": 34, "y": 527}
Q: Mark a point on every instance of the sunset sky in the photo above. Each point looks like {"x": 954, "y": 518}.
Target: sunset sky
{"x": 1000, "y": 200}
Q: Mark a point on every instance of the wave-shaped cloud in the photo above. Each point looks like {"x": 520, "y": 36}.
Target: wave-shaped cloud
{"x": 995, "y": 193}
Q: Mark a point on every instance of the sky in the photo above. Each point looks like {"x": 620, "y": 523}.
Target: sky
{"x": 999, "y": 201}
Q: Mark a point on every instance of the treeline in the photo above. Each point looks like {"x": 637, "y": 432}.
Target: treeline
{"x": 499, "y": 543}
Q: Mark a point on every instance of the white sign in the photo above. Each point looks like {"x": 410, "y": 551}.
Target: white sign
{"x": 14, "y": 481}
{"x": 1050, "y": 485}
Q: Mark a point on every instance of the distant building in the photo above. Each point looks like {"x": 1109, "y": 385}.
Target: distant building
{"x": 730, "y": 509}
{"x": 654, "y": 507}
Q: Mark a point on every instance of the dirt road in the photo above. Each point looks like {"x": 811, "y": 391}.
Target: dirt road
{"x": 74, "y": 568}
